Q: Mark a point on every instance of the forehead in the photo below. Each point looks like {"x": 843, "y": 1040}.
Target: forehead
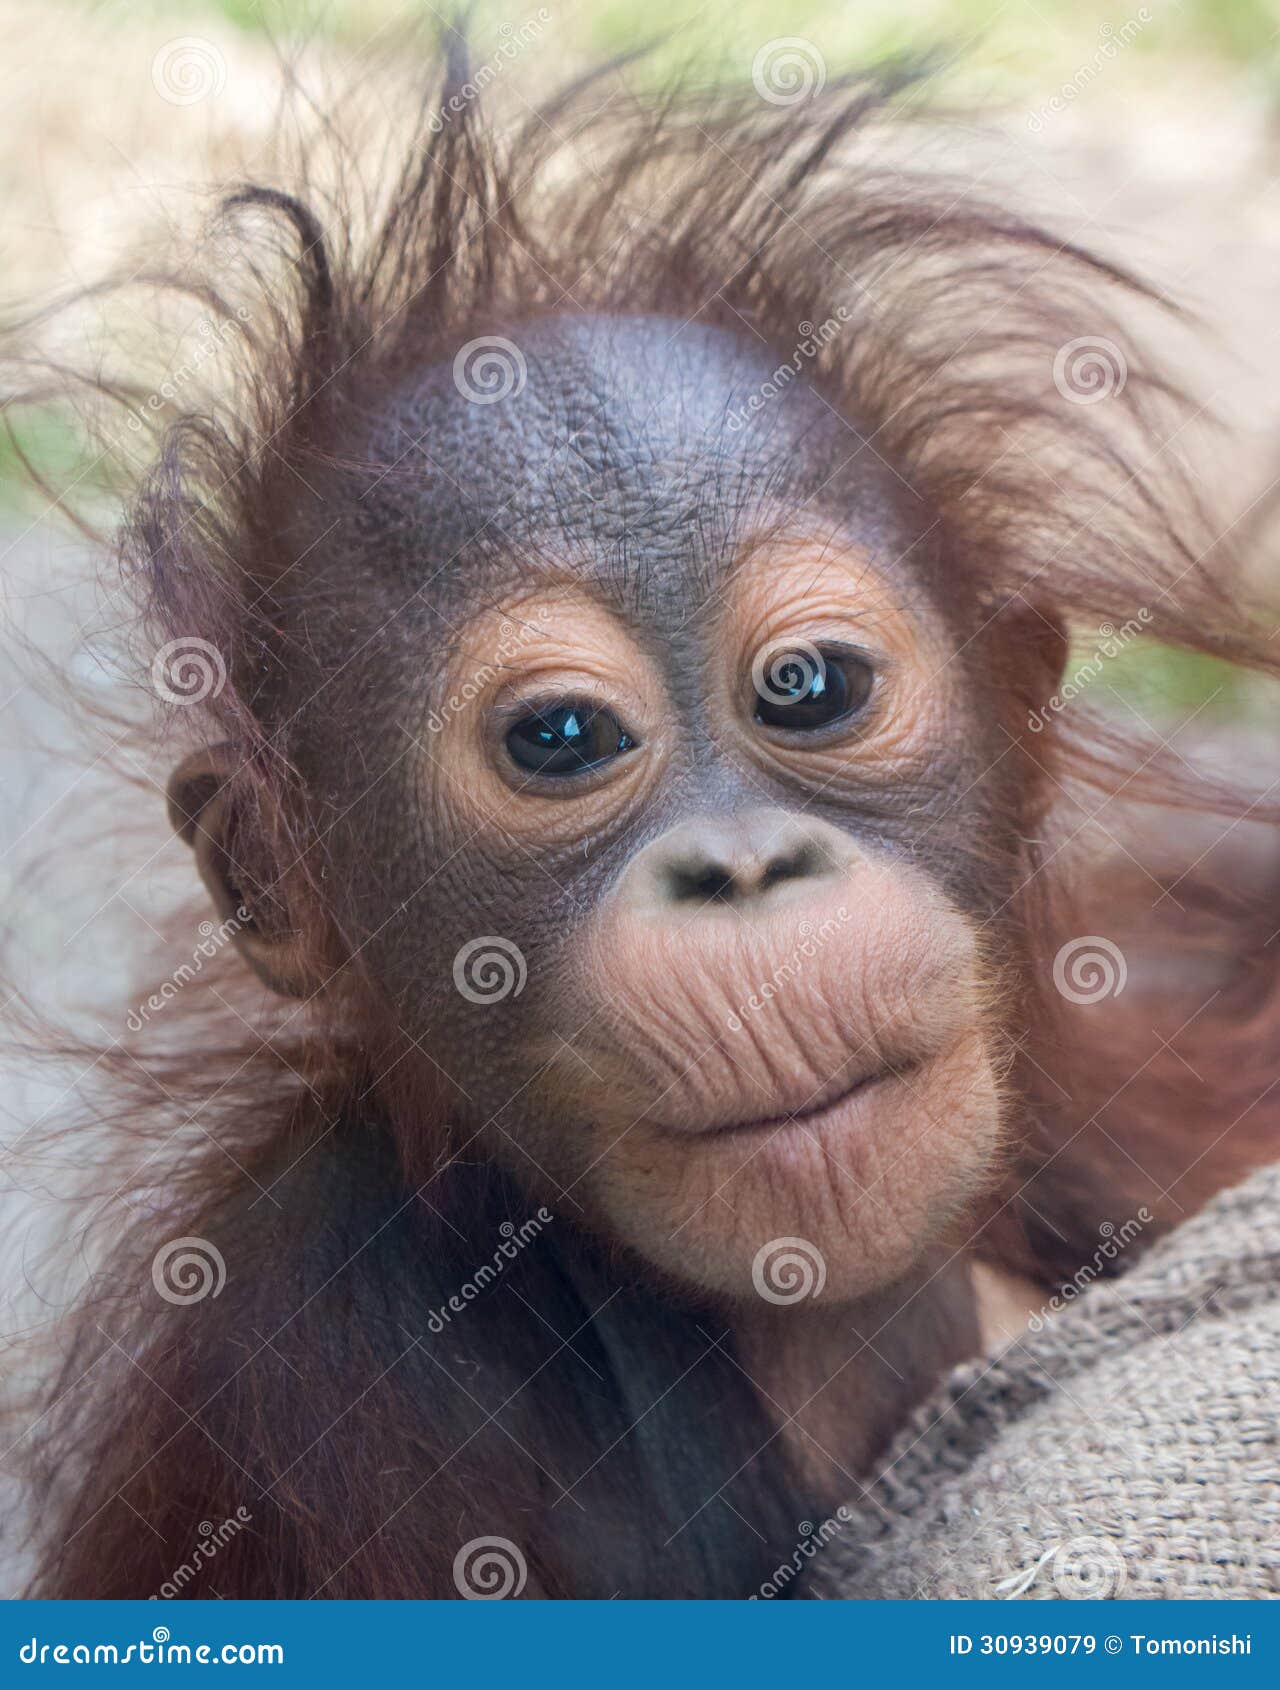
{"x": 636, "y": 453}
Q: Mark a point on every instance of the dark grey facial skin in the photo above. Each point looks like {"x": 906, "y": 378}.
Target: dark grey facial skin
{"x": 637, "y": 458}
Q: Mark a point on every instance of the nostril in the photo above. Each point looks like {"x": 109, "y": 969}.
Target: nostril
{"x": 735, "y": 862}
{"x": 805, "y": 860}
{"x": 700, "y": 882}
{"x": 710, "y": 880}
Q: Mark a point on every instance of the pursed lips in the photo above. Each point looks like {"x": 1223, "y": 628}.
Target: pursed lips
{"x": 810, "y": 1113}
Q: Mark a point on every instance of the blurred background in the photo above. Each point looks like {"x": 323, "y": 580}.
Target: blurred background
{"x": 1150, "y": 132}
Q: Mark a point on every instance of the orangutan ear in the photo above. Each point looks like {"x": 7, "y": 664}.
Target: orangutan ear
{"x": 1032, "y": 648}
{"x": 1038, "y": 645}
{"x": 1048, "y": 646}
{"x": 208, "y": 811}
{"x": 1029, "y": 646}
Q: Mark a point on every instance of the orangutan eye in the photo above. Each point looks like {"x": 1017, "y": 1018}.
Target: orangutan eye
{"x": 811, "y": 687}
{"x": 566, "y": 739}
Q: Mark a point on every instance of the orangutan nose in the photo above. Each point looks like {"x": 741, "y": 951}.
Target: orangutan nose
{"x": 743, "y": 860}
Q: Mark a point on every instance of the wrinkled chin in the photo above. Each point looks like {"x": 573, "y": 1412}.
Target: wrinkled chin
{"x": 836, "y": 1205}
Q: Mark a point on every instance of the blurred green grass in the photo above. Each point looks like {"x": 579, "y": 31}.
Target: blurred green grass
{"x": 1015, "y": 39}
{"x": 1163, "y": 685}
{"x": 44, "y": 440}
{"x": 1020, "y": 38}
{"x": 1235, "y": 29}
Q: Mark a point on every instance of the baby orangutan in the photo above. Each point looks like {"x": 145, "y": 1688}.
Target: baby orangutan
{"x": 623, "y": 787}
